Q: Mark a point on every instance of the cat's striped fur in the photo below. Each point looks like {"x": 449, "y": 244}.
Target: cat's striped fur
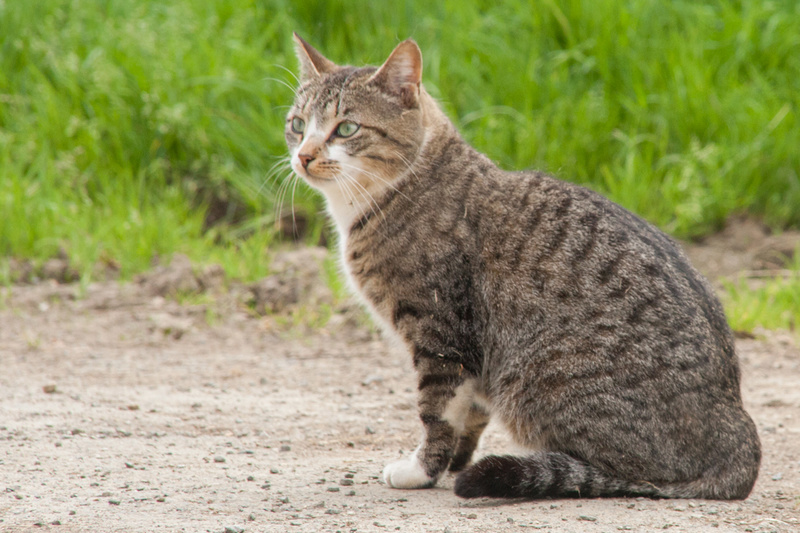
{"x": 580, "y": 326}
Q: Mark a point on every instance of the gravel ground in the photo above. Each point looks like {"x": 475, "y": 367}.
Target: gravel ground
{"x": 123, "y": 410}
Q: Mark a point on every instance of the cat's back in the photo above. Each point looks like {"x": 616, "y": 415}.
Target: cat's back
{"x": 581, "y": 270}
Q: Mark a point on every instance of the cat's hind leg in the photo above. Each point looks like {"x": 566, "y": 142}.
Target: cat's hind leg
{"x": 477, "y": 420}
{"x": 445, "y": 398}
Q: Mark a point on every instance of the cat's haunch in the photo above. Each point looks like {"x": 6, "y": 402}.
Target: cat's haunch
{"x": 580, "y": 326}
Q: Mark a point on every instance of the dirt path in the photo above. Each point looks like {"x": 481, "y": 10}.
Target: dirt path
{"x": 121, "y": 411}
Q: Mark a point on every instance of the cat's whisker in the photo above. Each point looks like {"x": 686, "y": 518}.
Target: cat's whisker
{"x": 294, "y": 218}
{"x": 349, "y": 193}
{"x": 364, "y": 193}
{"x": 345, "y": 180}
{"x": 289, "y": 181}
{"x": 280, "y": 198}
{"x": 355, "y": 182}
{"x": 345, "y": 191}
{"x": 288, "y": 71}
{"x": 377, "y": 177}
{"x": 295, "y": 91}
{"x": 283, "y": 166}
{"x": 404, "y": 159}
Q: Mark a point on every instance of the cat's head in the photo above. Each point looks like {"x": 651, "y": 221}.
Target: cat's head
{"x": 353, "y": 131}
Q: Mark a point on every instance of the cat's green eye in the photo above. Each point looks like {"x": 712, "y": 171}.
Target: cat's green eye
{"x": 298, "y": 125}
{"x": 346, "y": 129}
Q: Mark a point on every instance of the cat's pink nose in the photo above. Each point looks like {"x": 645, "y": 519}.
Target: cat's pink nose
{"x": 305, "y": 159}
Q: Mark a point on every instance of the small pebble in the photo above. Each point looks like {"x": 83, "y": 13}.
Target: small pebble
{"x": 284, "y": 499}
{"x": 369, "y": 431}
{"x": 161, "y": 499}
{"x": 59, "y": 444}
{"x": 333, "y": 489}
{"x": 373, "y": 378}
{"x": 587, "y": 518}
{"x": 129, "y": 465}
{"x": 777, "y": 477}
{"x": 349, "y": 475}
{"x": 472, "y": 516}
{"x": 250, "y": 478}
{"x": 351, "y": 493}
{"x": 274, "y": 471}
{"x": 56, "y": 522}
{"x": 286, "y": 448}
{"x": 219, "y": 459}
{"x": 346, "y": 482}
{"x": 49, "y": 389}
{"x": 233, "y": 529}
{"x": 114, "y": 502}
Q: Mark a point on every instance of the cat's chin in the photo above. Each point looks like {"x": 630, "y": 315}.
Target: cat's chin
{"x": 316, "y": 181}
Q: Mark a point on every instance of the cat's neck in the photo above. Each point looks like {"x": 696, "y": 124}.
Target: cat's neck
{"x": 346, "y": 208}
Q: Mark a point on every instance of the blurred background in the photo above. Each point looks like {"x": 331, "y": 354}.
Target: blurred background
{"x": 134, "y": 129}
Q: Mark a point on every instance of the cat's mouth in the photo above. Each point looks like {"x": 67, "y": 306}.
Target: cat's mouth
{"x": 314, "y": 180}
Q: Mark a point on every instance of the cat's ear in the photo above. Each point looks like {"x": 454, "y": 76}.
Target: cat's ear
{"x": 402, "y": 72}
{"x": 312, "y": 63}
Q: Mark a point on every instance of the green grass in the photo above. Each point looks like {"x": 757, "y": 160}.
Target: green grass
{"x": 772, "y": 303}
{"x": 138, "y": 128}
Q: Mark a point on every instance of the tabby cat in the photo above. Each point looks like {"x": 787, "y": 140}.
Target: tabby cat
{"x": 579, "y": 325}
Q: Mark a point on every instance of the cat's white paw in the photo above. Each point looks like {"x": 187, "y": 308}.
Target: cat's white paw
{"x": 407, "y": 474}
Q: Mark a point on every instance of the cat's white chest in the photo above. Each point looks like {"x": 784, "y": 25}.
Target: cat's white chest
{"x": 379, "y": 316}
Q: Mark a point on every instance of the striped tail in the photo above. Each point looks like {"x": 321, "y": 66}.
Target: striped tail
{"x": 553, "y": 474}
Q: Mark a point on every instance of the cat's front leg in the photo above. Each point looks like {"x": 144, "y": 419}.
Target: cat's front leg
{"x": 445, "y": 398}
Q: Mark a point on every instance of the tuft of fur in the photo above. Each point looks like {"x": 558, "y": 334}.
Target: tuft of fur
{"x": 558, "y": 475}
{"x": 577, "y": 324}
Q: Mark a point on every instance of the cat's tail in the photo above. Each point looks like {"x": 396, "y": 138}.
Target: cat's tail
{"x": 554, "y": 474}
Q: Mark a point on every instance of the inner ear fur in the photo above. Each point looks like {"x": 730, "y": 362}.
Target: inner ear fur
{"x": 312, "y": 63}
{"x": 402, "y": 72}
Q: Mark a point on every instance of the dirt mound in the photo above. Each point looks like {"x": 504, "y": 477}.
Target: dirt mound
{"x": 181, "y": 277}
{"x": 298, "y": 277}
{"x": 745, "y": 245}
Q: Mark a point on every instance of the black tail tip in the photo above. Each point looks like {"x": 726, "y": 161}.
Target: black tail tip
{"x": 491, "y": 477}
{"x": 466, "y": 487}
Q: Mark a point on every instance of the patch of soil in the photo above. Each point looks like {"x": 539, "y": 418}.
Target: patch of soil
{"x": 744, "y": 247}
{"x": 123, "y": 410}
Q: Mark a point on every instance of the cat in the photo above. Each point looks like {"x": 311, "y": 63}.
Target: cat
{"x": 577, "y": 324}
